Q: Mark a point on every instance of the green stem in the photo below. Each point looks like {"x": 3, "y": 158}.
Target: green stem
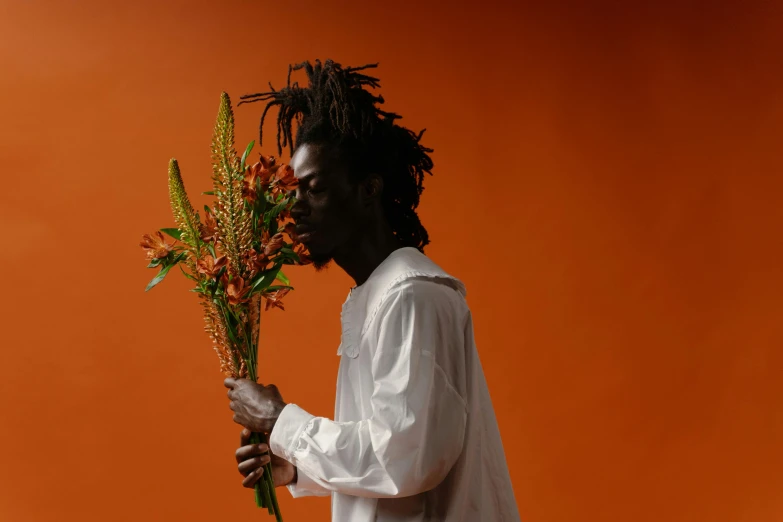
{"x": 259, "y": 494}
{"x": 275, "y": 507}
{"x": 267, "y": 488}
{"x": 255, "y": 438}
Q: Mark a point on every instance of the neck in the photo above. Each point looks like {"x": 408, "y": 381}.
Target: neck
{"x": 360, "y": 257}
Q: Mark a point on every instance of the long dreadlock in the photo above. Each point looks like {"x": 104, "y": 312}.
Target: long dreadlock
{"x": 337, "y": 110}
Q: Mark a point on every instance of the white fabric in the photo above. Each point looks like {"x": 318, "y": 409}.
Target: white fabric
{"x": 415, "y": 436}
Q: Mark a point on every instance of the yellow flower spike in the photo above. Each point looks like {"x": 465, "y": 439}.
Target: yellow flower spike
{"x": 184, "y": 215}
{"x": 235, "y": 222}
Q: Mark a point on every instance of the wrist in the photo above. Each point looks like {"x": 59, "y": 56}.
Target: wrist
{"x": 278, "y": 409}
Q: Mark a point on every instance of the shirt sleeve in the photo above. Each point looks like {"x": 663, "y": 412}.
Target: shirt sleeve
{"x": 417, "y": 427}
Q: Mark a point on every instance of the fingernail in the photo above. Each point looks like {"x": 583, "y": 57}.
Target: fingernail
{"x": 262, "y": 447}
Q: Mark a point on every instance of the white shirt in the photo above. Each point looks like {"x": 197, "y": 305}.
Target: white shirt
{"x": 415, "y": 436}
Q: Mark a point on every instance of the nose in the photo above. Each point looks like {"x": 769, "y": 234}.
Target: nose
{"x": 299, "y": 210}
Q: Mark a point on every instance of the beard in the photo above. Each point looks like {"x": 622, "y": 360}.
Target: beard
{"x": 321, "y": 260}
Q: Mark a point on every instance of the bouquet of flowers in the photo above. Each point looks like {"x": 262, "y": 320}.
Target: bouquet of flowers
{"x": 234, "y": 256}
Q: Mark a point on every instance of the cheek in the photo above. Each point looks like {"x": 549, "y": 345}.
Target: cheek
{"x": 340, "y": 216}
{"x": 341, "y": 225}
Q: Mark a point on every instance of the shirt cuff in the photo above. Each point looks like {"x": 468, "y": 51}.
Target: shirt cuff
{"x": 288, "y": 428}
{"x": 306, "y": 487}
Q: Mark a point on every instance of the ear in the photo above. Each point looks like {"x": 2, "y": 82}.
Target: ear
{"x": 372, "y": 188}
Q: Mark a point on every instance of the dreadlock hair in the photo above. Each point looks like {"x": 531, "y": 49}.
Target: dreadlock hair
{"x": 335, "y": 109}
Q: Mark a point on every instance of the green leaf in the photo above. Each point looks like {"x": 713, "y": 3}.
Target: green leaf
{"x": 272, "y": 214}
{"x": 230, "y": 330}
{"x": 262, "y": 204}
{"x": 266, "y": 279}
{"x": 155, "y": 262}
{"x": 173, "y": 232}
{"x": 158, "y": 278}
{"x": 221, "y": 272}
{"x": 286, "y": 255}
{"x": 282, "y": 278}
{"x": 208, "y": 193}
{"x": 279, "y": 287}
{"x": 186, "y": 274}
{"x": 244, "y": 156}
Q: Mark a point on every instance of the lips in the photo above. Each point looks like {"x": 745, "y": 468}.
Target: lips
{"x": 303, "y": 232}
{"x": 305, "y": 237}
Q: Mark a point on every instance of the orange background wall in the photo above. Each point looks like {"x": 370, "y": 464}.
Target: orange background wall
{"x": 607, "y": 184}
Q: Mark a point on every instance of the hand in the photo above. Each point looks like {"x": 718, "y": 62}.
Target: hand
{"x": 255, "y": 406}
{"x": 253, "y": 457}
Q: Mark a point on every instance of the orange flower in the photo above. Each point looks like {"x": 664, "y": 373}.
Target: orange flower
{"x": 208, "y": 228}
{"x": 249, "y": 185}
{"x": 155, "y": 246}
{"x": 268, "y": 162}
{"x": 285, "y": 213}
{"x": 263, "y": 169}
{"x": 285, "y": 178}
{"x": 274, "y": 244}
{"x": 304, "y": 255}
{"x": 255, "y": 262}
{"x": 275, "y": 298}
{"x": 290, "y": 229}
{"x": 235, "y": 289}
{"x": 209, "y": 266}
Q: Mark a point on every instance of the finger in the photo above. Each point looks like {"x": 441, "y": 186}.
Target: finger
{"x": 272, "y": 387}
{"x": 249, "y": 451}
{"x": 232, "y": 405}
{"x": 229, "y": 382}
{"x": 230, "y": 393}
{"x": 244, "y": 437}
{"x": 251, "y": 479}
{"x": 250, "y": 465}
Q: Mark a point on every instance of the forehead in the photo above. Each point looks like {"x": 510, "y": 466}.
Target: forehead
{"x": 311, "y": 159}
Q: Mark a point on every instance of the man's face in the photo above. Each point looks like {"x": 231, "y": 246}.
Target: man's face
{"x": 327, "y": 212}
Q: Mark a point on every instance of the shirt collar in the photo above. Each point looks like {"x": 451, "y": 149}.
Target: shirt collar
{"x": 403, "y": 263}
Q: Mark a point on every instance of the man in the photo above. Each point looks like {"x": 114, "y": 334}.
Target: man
{"x": 414, "y": 436}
